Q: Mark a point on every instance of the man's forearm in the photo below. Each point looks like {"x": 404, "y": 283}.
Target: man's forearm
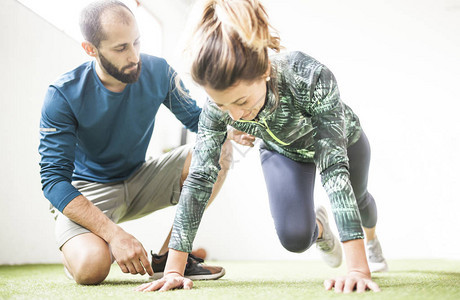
{"x": 83, "y": 212}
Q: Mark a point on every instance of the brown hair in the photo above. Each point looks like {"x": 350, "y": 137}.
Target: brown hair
{"x": 90, "y": 19}
{"x": 231, "y": 42}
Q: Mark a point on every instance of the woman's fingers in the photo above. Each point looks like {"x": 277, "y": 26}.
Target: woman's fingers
{"x": 166, "y": 284}
{"x": 142, "y": 286}
{"x": 373, "y": 286}
{"x": 329, "y": 284}
{"x": 349, "y": 284}
{"x": 171, "y": 283}
{"x": 249, "y": 137}
{"x": 188, "y": 284}
{"x": 151, "y": 286}
{"x": 361, "y": 286}
{"x": 339, "y": 284}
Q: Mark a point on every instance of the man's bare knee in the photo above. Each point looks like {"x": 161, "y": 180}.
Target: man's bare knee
{"x": 87, "y": 258}
{"x": 92, "y": 270}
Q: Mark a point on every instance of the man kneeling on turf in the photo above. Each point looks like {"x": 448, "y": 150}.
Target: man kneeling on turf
{"x": 96, "y": 124}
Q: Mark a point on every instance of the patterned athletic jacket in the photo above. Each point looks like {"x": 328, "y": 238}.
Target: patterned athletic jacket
{"x": 308, "y": 124}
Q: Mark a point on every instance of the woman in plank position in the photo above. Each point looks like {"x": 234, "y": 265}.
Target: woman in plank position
{"x": 291, "y": 102}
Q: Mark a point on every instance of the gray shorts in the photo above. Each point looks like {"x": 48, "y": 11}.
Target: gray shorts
{"x": 154, "y": 186}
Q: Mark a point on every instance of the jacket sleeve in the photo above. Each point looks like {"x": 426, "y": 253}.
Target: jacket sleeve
{"x": 212, "y": 132}
{"x": 331, "y": 158}
{"x": 179, "y": 102}
{"x": 57, "y": 149}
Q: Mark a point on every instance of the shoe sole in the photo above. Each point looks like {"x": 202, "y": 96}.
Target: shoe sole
{"x": 378, "y": 267}
{"x": 159, "y": 275}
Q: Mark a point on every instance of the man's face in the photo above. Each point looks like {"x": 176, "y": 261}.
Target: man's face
{"x": 124, "y": 74}
{"x": 119, "y": 54}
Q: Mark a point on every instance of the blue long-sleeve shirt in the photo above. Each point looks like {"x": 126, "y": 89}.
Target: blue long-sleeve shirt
{"x": 90, "y": 133}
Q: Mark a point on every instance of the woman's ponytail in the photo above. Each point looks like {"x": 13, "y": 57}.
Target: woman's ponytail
{"x": 231, "y": 43}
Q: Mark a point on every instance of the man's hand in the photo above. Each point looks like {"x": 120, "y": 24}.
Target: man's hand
{"x": 241, "y": 137}
{"x": 354, "y": 280}
{"x": 168, "y": 282}
{"x": 129, "y": 253}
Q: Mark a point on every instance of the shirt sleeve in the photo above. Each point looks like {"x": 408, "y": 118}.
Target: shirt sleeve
{"x": 212, "y": 132}
{"x": 180, "y": 103}
{"x": 57, "y": 149}
{"x": 331, "y": 158}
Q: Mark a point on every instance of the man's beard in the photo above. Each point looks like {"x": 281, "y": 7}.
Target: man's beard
{"x": 119, "y": 74}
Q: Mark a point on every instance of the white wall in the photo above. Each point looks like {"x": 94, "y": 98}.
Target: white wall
{"x": 397, "y": 64}
{"x": 33, "y": 54}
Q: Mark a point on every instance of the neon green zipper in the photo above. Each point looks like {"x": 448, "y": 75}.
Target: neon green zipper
{"x": 265, "y": 126}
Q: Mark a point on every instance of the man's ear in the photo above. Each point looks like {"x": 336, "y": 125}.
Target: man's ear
{"x": 89, "y": 48}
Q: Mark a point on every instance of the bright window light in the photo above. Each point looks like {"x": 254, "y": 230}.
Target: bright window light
{"x": 65, "y": 14}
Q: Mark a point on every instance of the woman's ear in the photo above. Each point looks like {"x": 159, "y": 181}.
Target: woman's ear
{"x": 268, "y": 71}
{"x": 89, "y": 48}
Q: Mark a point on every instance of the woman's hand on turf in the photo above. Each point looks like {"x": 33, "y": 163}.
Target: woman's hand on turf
{"x": 353, "y": 281}
{"x": 168, "y": 282}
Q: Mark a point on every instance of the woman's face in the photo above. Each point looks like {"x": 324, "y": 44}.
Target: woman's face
{"x": 242, "y": 100}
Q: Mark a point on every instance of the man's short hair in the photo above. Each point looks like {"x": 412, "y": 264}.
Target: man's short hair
{"x": 90, "y": 19}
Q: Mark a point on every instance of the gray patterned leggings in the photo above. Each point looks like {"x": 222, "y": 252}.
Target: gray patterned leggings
{"x": 290, "y": 186}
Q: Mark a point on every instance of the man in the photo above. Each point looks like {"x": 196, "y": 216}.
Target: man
{"x": 96, "y": 124}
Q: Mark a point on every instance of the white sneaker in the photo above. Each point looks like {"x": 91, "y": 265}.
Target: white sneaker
{"x": 377, "y": 262}
{"x": 328, "y": 244}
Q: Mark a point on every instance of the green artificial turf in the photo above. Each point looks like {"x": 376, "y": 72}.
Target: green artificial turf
{"x": 410, "y": 279}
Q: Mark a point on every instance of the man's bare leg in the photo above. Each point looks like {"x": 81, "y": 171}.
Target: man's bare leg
{"x": 87, "y": 257}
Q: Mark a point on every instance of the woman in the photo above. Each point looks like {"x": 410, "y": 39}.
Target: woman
{"x": 292, "y": 103}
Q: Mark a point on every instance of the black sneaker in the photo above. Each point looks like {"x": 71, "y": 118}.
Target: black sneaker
{"x": 194, "y": 270}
